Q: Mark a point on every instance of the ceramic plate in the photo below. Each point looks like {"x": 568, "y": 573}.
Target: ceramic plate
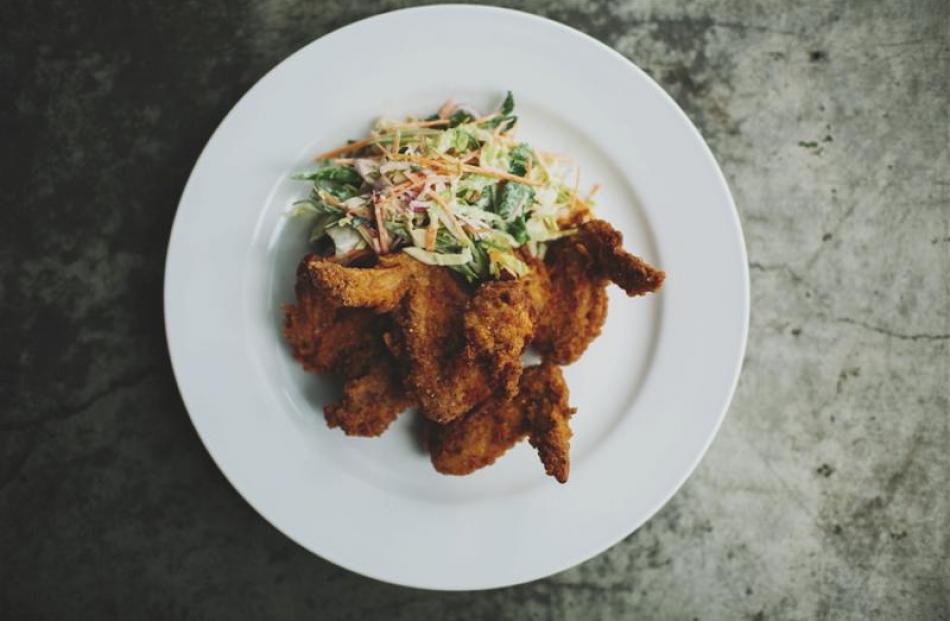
{"x": 650, "y": 392}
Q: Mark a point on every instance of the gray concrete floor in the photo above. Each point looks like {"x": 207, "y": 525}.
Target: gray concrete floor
{"x": 826, "y": 493}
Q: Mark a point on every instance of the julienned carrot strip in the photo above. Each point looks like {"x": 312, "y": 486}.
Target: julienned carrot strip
{"x": 431, "y": 233}
{"x": 347, "y": 148}
{"x": 381, "y": 230}
{"x": 468, "y": 168}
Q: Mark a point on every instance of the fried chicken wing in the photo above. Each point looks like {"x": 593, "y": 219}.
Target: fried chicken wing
{"x": 539, "y": 411}
{"x": 427, "y": 306}
{"x": 573, "y": 302}
{"x": 629, "y": 272}
{"x": 348, "y": 341}
{"x": 547, "y": 414}
{"x": 498, "y": 325}
{"x": 445, "y": 382}
{"x": 568, "y": 290}
{"x": 322, "y": 335}
{"x": 380, "y": 287}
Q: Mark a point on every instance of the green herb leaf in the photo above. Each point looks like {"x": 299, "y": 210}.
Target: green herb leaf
{"x": 458, "y": 117}
{"x": 486, "y": 200}
{"x": 518, "y": 159}
{"x": 341, "y": 174}
{"x": 518, "y": 229}
{"x": 514, "y": 200}
{"x": 477, "y": 268}
{"x": 508, "y": 106}
{"x": 507, "y": 122}
{"x": 459, "y": 139}
{"x": 339, "y": 191}
{"x": 340, "y": 182}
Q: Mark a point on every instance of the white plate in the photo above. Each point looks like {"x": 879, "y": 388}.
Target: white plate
{"x": 650, "y": 393}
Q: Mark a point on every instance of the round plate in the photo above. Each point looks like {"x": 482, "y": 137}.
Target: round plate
{"x": 650, "y": 393}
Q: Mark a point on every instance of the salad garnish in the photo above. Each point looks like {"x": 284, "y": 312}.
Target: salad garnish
{"x": 455, "y": 189}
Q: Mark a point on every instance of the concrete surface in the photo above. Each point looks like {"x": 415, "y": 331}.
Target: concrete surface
{"x": 825, "y": 495}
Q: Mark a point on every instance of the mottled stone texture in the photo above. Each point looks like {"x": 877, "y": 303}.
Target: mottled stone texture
{"x": 827, "y": 493}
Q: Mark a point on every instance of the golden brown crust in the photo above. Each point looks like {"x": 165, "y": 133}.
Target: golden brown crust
{"x": 498, "y": 324}
{"x": 570, "y": 288}
{"x": 322, "y": 335}
{"x": 348, "y": 341}
{"x": 401, "y": 333}
{"x": 370, "y": 402}
{"x": 430, "y": 322}
{"x": 547, "y": 413}
{"x": 380, "y": 287}
{"x": 574, "y": 303}
{"x": 540, "y": 409}
{"x": 629, "y": 272}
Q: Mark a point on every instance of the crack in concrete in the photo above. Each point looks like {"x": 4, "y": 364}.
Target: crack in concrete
{"x": 891, "y": 333}
{"x": 778, "y": 267}
{"x": 834, "y": 231}
{"x": 71, "y": 410}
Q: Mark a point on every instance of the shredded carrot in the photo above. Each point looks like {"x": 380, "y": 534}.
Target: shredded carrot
{"x": 467, "y": 168}
{"x": 431, "y": 233}
{"x": 544, "y": 167}
{"x": 414, "y": 179}
{"x": 501, "y": 175}
{"x": 593, "y": 191}
{"x": 381, "y": 230}
{"x": 486, "y": 118}
{"x": 447, "y": 209}
{"x": 415, "y": 124}
{"x": 396, "y": 142}
{"x": 447, "y": 108}
{"x": 328, "y": 198}
{"x": 405, "y": 185}
{"x": 474, "y": 155}
{"x": 347, "y": 148}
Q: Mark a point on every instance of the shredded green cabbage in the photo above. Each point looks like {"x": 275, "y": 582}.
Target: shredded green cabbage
{"x": 437, "y": 258}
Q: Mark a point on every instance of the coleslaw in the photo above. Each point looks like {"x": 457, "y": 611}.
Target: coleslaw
{"x": 456, "y": 189}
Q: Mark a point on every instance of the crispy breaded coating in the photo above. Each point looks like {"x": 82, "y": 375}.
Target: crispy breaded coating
{"x": 380, "y": 287}
{"x": 370, "y": 402}
{"x": 452, "y": 360}
{"x": 322, "y": 334}
{"x": 403, "y": 333}
{"x": 498, "y": 326}
{"x": 629, "y": 272}
{"x": 349, "y": 342}
{"x": 540, "y": 410}
{"x": 568, "y": 290}
{"x": 547, "y": 414}
{"x": 573, "y": 302}
{"x": 444, "y": 382}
